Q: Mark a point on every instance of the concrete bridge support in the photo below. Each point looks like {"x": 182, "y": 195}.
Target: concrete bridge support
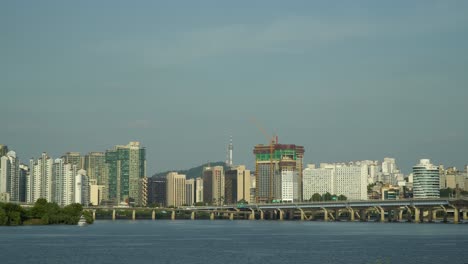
{"x": 465, "y": 215}
{"x": 400, "y": 215}
{"x": 417, "y": 214}
{"x": 351, "y": 214}
{"x": 231, "y": 216}
{"x": 94, "y": 214}
{"x": 363, "y": 215}
{"x": 192, "y": 215}
{"x": 291, "y": 214}
{"x": 212, "y": 216}
{"x": 153, "y": 215}
{"x": 382, "y": 214}
{"x": 281, "y": 215}
{"x": 133, "y": 215}
{"x": 430, "y": 216}
{"x": 456, "y": 212}
{"x": 173, "y": 215}
{"x": 113, "y": 214}
{"x": 303, "y": 216}
{"x": 325, "y": 215}
{"x": 262, "y": 215}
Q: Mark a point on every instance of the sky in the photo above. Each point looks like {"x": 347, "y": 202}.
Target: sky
{"x": 348, "y": 80}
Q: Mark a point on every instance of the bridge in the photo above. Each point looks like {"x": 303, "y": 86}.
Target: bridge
{"x": 407, "y": 210}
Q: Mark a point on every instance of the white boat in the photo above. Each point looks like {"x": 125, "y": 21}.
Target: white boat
{"x": 82, "y": 221}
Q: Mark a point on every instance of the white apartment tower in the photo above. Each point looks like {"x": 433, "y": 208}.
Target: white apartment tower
{"x": 198, "y": 190}
{"x": 175, "y": 189}
{"x": 336, "y": 178}
{"x": 9, "y": 176}
{"x": 81, "y": 189}
{"x": 40, "y": 179}
{"x": 318, "y": 180}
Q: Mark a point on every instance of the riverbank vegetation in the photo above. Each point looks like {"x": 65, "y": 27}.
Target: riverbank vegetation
{"x": 42, "y": 213}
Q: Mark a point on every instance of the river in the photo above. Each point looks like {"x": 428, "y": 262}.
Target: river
{"x": 240, "y": 241}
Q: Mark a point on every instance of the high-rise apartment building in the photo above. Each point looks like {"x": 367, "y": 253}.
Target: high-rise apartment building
{"x": 97, "y": 169}
{"x": 74, "y": 158}
{"x": 3, "y": 150}
{"x": 23, "y": 176}
{"x": 349, "y": 180}
{"x": 39, "y": 184}
{"x": 278, "y": 172}
{"x": 213, "y": 185}
{"x": 126, "y": 167}
{"x": 318, "y": 180}
{"x": 95, "y": 166}
{"x": 198, "y": 190}
{"x": 81, "y": 188}
{"x": 9, "y": 176}
{"x": 190, "y": 192}
{"x": 425, "y": 180}
{"x": 237, "y": 183}
{"x": 175, "y": 189}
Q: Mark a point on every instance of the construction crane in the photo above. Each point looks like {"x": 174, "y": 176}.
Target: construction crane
{"x": 272, "y": 141}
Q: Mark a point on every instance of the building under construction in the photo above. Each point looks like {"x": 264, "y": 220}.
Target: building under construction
{"x": 278, "y": 172}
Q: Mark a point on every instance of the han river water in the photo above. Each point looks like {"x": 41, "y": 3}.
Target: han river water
{"x": 241, "y": 241}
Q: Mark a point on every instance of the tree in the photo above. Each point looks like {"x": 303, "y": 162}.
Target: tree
{"x": 342, "y": 198}
{"x": 327, "y": 196}
{"x": 242, "y": 201}
{"x": 316, "y": 197}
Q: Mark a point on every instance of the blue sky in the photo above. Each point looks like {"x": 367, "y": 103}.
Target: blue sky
{"x": 348, "y": 80}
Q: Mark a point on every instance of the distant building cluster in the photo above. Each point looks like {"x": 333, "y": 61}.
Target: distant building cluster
{"x": 118, "y": 176}
{"x": 111, "y": 177}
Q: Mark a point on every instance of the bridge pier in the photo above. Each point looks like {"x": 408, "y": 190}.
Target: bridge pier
{"x": 434, "y": 215}
{"x": 337, "y": 215}
{"x": 382, "y": 214}
{"x": 133, "y": 215}
{"x": 172, "y": 215}
{"x": 192, "y": 215}
{"x": 430, "y": 216}
{"x": 231, "y": 216}
{"x": 351, "y": 214}
{"x": 465, "y": 215}
{"x": 325, "y": 215}
{"x": 363, "y": 215}
{"x": 417, "y": 214}
{"x": 456, "y": 219}
{"x": 400, "y": 215}
{"x": 302, "y": 215}
{"x": 94, "y": 214}
{"x": 252, "y": 215}
{"x": 113, "y": 214}
{"x": 153, "y": 215}
{"x": 281, "y": 215}
{"x": 291, "y": 214}
{"x": 212, "y": 216}
{"x": 262, "y": 215}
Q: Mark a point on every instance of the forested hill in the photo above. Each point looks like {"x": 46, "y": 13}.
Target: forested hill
{"x": 193, "y": 172}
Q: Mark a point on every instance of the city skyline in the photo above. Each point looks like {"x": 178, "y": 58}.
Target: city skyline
{"x": 366, "y": 81}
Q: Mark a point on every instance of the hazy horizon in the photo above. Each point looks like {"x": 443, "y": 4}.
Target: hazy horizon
{"x": 347, "y": 80}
